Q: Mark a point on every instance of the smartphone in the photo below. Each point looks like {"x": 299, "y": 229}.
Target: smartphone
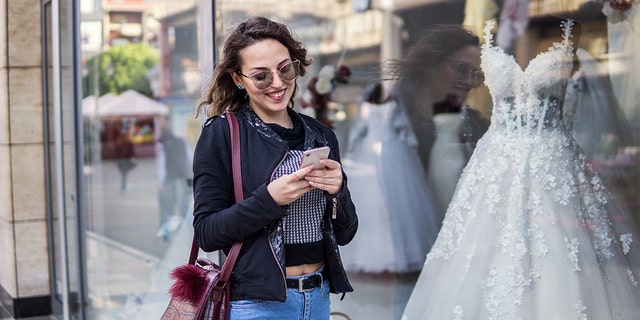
{"x": 313, "y": 156}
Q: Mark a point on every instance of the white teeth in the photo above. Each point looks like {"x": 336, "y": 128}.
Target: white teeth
{"x": 278, "y": 95}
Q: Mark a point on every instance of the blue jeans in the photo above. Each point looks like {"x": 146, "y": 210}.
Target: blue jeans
{"x": 309, "y": 305}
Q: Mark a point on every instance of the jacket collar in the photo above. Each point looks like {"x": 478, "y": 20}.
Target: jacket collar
{"x": 311, "y": 138}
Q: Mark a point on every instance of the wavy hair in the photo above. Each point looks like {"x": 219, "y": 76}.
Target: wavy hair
{"x": 221, "y": 93}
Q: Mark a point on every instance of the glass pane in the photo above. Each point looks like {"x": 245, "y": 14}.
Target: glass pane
{"x": 141, "y": 66}
{"x": 144, "y": 63}
{"x": 405, "y": 149}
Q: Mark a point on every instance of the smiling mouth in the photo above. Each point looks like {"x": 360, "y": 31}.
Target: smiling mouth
{"x": 278, "y": 94}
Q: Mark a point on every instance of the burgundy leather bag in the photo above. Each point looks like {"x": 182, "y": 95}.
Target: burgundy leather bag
{"x": 200, "y": 289}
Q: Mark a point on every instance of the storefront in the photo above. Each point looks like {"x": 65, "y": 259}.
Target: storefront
{"x": 118, "y": 76}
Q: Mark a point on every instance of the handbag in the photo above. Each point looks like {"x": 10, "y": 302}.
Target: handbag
{"x": 200, "y": 289}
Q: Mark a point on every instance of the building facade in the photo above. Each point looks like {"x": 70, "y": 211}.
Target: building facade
{"x": 81, "y": 235}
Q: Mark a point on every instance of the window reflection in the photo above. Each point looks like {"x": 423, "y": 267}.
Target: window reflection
{"x": 140, "y": 69}
{"x": 364, "y": 35}
{"x": 133, "y": 242}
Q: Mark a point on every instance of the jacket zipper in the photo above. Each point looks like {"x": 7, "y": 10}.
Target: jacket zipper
{"x": 334, "y": 210}
{"x": 273, "y": 252}
{"x": 286, "y": 153}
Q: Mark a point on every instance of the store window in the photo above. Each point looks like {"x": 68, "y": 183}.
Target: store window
{"x": 141, "y": 67}
{"x": 372, "y": 39}
{"x": 406, "y": 136}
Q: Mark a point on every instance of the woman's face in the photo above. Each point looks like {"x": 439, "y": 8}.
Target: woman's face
{"x": 454, "y": 77}
{"x": 268, "y": 55}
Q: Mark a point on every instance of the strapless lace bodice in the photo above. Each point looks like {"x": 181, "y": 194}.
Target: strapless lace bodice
{"x": 527, "y": 100}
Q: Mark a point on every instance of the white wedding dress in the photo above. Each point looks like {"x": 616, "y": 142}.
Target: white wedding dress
{"x": 528, "y": 233}
{"x": 398, "y": 221}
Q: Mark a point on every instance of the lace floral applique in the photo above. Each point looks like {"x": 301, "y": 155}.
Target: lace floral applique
{"x": 572, "y": 256}
{"x": 632, "y": 278}
{"x": 458, "y": 313}
{"x": 506, "y": 282}
{"x": 538, "y": 245}
{"x": 580, "y": 311}
{"x": 626, "y": 240}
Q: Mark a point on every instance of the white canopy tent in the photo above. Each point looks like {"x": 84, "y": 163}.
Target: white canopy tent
{"x": 129, "y": 103}
{"x": 110, "y": 115}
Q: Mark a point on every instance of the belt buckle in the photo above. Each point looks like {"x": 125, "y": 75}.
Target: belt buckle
{"x": 300, "y": 284}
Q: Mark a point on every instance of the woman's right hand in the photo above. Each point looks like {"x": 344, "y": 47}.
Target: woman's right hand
{"x": 290, "y": 187}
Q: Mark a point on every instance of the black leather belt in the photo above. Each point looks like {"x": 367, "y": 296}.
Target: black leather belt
{"x": 305, "y": 283}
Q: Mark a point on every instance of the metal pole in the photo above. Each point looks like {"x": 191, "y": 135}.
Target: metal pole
{"x": 59, "y": 153}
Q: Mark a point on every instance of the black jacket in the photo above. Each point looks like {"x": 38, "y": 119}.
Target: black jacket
{"x": 259, "y": 272}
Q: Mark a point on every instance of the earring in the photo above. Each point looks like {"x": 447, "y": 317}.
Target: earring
{"x": 240, "y": 86}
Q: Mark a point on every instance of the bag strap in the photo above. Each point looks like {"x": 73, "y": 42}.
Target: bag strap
{"x": 237, "y": 188}
{"x": 235, "y": 155}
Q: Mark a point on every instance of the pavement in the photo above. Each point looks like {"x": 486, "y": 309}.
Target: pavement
{"x": 128, "y": 266}
{"x": 136, "y": 286}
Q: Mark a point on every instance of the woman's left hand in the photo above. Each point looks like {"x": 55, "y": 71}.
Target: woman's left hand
{"x": 328, "y": 179}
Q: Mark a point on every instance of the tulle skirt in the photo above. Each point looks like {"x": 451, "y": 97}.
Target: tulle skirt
{"x": 531, "y": 233}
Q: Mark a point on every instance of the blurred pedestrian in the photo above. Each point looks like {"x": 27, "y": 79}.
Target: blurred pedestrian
{"x": 124, "y": 154}
{"x": 174, "y": 179}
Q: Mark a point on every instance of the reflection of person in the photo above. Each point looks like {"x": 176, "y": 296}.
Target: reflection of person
{"x": 591, "y": 111}
{"x": 174, "y": 176}
{"x": 398, "y": 220}
{"x": 125, "y": 161}
{"x": 434, "y": 80}
{"x": 292, "y": 219}
{"x": 529, "y": 223}
{"x": 623, "y": 40}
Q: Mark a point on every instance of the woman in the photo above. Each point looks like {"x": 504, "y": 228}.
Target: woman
{"x": 292, "y": 219}
{"x": 433, "y": 82}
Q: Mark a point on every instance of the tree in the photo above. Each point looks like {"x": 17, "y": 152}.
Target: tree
{"x": 120, "y": 68}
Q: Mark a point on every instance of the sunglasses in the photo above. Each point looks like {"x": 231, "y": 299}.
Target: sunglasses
{"x": 466, "y": 73}
{"x": 263, "y": 79}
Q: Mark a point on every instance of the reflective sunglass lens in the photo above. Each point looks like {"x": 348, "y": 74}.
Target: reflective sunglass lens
{"x": 263, "y": 80}
{"x": 289, "y": 71}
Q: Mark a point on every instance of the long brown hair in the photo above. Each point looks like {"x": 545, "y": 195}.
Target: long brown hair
{"x": 221, "y": 93}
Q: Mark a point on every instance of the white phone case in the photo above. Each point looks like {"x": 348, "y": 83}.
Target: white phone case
{"x": 313, "y": 156}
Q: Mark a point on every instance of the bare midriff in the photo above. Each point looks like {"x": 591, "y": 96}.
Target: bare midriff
{"x": 299, "y": 270}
